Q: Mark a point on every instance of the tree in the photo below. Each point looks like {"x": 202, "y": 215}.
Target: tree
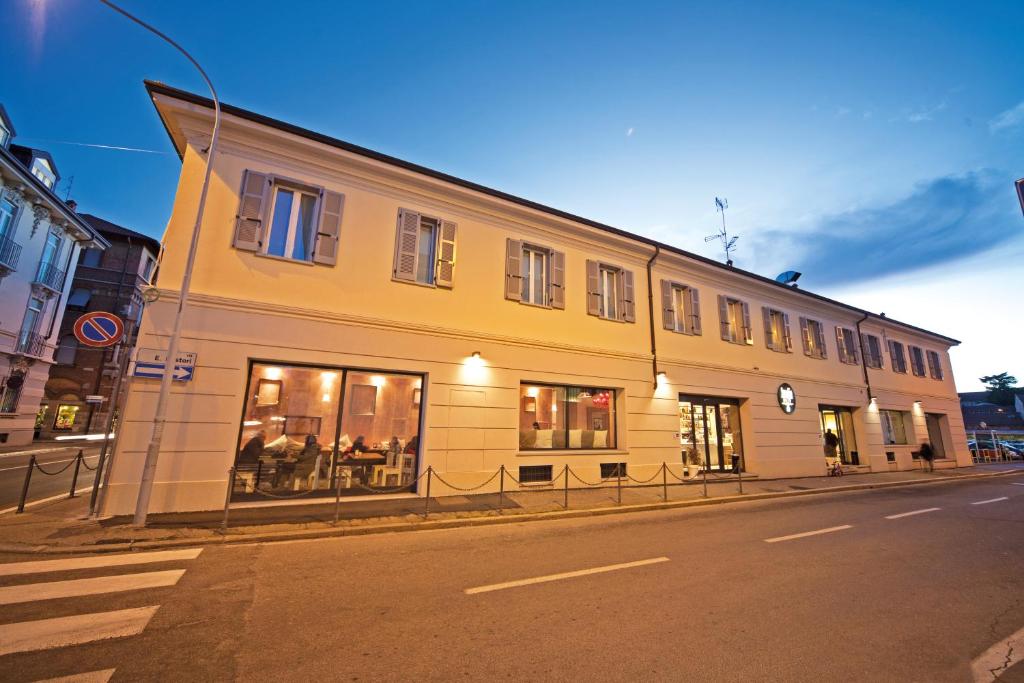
{"x": 1000, "y": 387}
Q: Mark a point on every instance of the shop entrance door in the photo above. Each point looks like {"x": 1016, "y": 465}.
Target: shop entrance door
{"x": 934, "y": 423}
{"x": 837, "y": 434}
{"x": 709, "y": 431}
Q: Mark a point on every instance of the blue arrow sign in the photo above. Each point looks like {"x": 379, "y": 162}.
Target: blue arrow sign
{"x": 182, "y": 373}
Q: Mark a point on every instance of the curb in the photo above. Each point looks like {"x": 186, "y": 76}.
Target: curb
{"x": 332, "y": 532}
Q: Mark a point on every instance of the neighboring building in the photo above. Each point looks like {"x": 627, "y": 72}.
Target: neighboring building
{"x": 105, "y": 280}
{"x": 40, "y": 237}
{"x": 340, "y": 293}
{"x": 978, "y": 411}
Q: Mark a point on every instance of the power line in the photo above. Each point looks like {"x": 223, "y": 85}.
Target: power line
{"x": 96, "y": 146}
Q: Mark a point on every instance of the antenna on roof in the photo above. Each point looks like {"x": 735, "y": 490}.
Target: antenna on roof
{"x": 728, "y": 243}
{"x": 67, "y": 192}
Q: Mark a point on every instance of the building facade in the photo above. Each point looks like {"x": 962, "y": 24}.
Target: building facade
{"x": 111, "y": 280}
{"x": 356, "y": 319}
{"x": 40, "y": 237}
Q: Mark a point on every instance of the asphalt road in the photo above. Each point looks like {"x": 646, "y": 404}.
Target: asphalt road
{"x": 52, "y": 459}
{"x": 720, "y": 593}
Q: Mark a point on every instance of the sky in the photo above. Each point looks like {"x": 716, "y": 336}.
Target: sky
{"x": 870, "y": 145}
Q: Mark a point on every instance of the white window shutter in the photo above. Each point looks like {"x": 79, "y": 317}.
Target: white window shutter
{"x": 787, "y": 337}
{"x": 769, "y": 338}
{"x": 406, "y": 237}
{"x": 325, "y": 250}
{"x": 593, "y": 288}
{"x": 628, "y": 308}
{"x": 556, "y": 291}
{"x": 668, "y": 306}
{"x": 723, "y": 319}
{"x": 445, "y": 274}
{"x": 249, "y": 219}
{"x": 805, "y": 336}
{"x": 694, "y": 323}
{"x": 748, "y": 330}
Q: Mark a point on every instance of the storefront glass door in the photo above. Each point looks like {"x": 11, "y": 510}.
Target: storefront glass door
{"x": 838, "y": 435}
{"x": 934, "y": 423}
{"x": 709, "y": 431}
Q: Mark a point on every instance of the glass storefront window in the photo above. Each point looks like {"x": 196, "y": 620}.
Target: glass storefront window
{"x": 709, "y": 432}
{"x": 65, "y": 418}
{"x": 566, "y": 418}
{"x": 294, "y": 440}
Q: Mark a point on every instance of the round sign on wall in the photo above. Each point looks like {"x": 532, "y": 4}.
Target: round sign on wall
{"x": 99, "y": 329}
{"x": 787, "y": 398}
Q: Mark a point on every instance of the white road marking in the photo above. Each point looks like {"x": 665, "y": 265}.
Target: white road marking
{"x": 990, "y": 500}
{"x": 45, "y": 634}
{"x": 70, "y": 564}
{"x": 564, "y": 575}
{"x": 902, "y": 514}
{"x": 997, "y": 659}
{"x": 33, "y": 503}
{"x": 10, "y": 595}
{"x": 808, "y": 533}
{"x": 1017, "y": 483}
{"x": 44, "y": 464}
{"x": 37, "y": 451}
{"x": 88, "y": 677}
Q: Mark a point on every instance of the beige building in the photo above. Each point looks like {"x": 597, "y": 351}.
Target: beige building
{"x": 372, "y": 318}
{"x": 40, "y": 238}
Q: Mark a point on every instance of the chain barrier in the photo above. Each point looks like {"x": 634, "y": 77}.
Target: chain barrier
{"x": 474, "y": 488}
{"x": 681, "y": 480}
{"x": 60, "y": 471}
{"x": 391, "y": 489}
{"x": 599, "y": 484}
{"x": 86, "y": 465}
{"x": 645, "y": 481}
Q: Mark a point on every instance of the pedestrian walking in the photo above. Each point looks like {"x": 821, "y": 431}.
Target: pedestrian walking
{"x": 928, "y": 455}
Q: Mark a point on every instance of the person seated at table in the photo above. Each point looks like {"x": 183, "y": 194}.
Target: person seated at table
{"x": 253, "y": 448}
{"x": 302, "y": 465}
{"x": 357, "y": 448}
{"x": 414, "y": 443}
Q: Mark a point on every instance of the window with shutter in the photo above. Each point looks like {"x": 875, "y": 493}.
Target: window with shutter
{"x": 445, "y": 275}
{"x": 557, "y": 287}
{"x": 917, "y": 361}
{"x": 425, "y": 249}
{"x": 513, "y": 270}
{"x": 776, "y": 330}
{"x": 693, "y": 314}
{"x": 872, "y": 350}
{"x": 610, "y": 296}
{"x": 669, "y": 305}
{"x": 249, "y": 219}
{"x": 627, "y": 311}
{"x": 748, "y": 329}
{"x": 813, "y": 334}
{"x": 535, "y": 266}
{"x": 681, "y": 307}
{"x": 934, "y": 365}
{"x": 847, "y": 346}
{"x": 896, "y": 355}
{"x": 593, "y": 288}
{"x": 726, "y": 322}
{"x": 734, "y": 316}
{"x": 406, "y": 243}
{"x": 325, "y": 251}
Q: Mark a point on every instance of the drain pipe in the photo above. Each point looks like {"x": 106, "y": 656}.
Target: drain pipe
{"x": 864, "y": 357}
{"x": 650, "y": 310}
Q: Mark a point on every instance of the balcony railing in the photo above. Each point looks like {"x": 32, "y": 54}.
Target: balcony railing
{"x": 31, "y": 344}
{"x": 9, "y": 253}
{"x": 50, "y": 276}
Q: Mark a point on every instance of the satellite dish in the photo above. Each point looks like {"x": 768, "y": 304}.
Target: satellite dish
{"x": 788, "y": 278}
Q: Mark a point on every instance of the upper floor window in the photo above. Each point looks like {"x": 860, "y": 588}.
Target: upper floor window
{"x": 148, "y": 262}
{"x": 92, "y": 257}
{"x": 287, "y": 219}
{"x": 5, "y": 135}
{"x": 610, "y": 292}
{"x": 872, "y": 350}
{"x": 934, "y": 365}
{"x": 894, "y": 426}
{"x": 41, "y": 169}
{"x": 67, "y": 350}
{"x": 776, "y": 330}
{"x": 917, "y": 361}
{"x": 680, "y": 307}
{"x": 425, "y": 249}
{"x": 897, "y": 357}
{"x": 51, "y": 250}
{"x": 734, "y": 320}
{"x": 7, "y": 213}
{"x": 79, "y": 297}
{"x": 813, "y": 333}
{"x": 846, "y": 342}
{"x": 534, "y": 274}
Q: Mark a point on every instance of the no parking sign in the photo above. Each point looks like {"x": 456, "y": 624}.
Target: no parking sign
{"x": 99, "y": 329}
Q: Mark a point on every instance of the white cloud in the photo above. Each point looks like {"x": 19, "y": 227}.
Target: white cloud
{"x": 1011, "y": 118}
{"x": 629, "y": 132}
{"x": 925, "y": 114}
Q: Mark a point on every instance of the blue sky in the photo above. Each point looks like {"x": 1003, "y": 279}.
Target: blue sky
{"x": 871, "y": 145}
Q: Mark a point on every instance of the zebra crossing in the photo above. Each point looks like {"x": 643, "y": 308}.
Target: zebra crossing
{"x": 78, "y": 629}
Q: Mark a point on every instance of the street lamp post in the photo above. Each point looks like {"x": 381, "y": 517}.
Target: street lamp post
{"x": 160, "y": 414}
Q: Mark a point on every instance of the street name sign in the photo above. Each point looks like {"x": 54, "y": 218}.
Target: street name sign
{"x": 99, "y": 329}
{"x": 152, "y": 363}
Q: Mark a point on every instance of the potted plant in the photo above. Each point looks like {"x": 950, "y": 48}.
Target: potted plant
{"x": 693, "y": 463}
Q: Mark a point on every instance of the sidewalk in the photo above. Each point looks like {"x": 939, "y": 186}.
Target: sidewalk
{"x": 60, "y": 527}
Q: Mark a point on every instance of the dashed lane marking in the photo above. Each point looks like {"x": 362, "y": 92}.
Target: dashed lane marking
{"x": 87, "y": 677}
{"x": 911, "y": 513}
{"x": 52, "y": 590}
{"x": 805, "y": 534}
{"x": 45, "y": 634}
{"x": 71, "y": 564}
{"x": 990, "y": 500}
{"x": 564, "y": 575}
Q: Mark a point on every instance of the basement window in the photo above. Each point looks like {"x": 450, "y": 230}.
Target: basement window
{"x": 534, "y": 474}
{"x": 613, "y": 470}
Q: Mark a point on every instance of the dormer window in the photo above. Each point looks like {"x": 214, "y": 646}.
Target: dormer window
{"x": 5, "y": 134}
{"x": 41, "y": 169}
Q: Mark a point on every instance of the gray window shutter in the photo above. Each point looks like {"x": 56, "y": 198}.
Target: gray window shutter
{"x": 405, "y": 245}
{"x": 593, "y": 288}
{"x": 249, "y": 219}
{"x": 668, "y": 306}
{"x": 819, "y": 333}
{"x": 805, "y": 336}
{"x": 445, "y": 274}
{"x": 844, "y": 353}
{"x": 748, "y": 330}
{"x": 785, "y": 332}
{"x": 325, "y": 250}
{"x": 556, "y": 291}
{"x": 513, "y": 269}
{"x": 766, "y": 314}
{"x": 627, "y": 308}
{"x": 694, "y": 311}
{"x": 854, "y": 350}
{"x": 723, "y": 318}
